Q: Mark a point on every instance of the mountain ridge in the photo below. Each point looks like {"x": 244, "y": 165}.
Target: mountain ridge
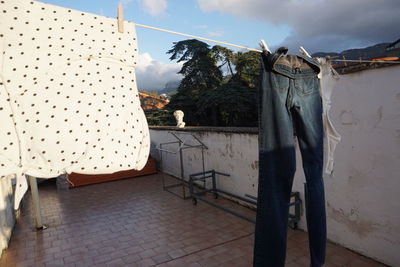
{"x": 370, "y": 52}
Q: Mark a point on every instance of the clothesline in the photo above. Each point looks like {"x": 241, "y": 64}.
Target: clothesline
{"x": 198, "y": 37}
{"x": 366, "y": 61}
{"x": 245, "y": 47}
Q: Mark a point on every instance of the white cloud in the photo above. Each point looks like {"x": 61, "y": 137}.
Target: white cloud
{"x": 210, "y": 32}
{"x": 201, "y": 27}
{"x": 320, "y": 24}
{"x": 125, "y": 2}
{"x": 216, "y": 33}
{"x": 153, "y": 75}
{"x": 152, "y": 7}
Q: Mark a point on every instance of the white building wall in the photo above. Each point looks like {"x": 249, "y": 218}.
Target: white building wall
{"x": 362, "y": 197}
{"x": 363, "y": 200}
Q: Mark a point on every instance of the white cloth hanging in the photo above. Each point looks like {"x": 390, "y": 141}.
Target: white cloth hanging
{"x": 68, "y": 95}
{"x": 328, "y": 79}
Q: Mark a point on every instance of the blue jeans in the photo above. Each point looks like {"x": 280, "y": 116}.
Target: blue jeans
{"x": 290, "y": 105}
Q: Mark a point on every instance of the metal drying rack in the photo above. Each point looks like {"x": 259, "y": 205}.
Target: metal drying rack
{"x": 191, "y": 188}
{"x": 182, "y": 145}
{"x": 199, "y": 193}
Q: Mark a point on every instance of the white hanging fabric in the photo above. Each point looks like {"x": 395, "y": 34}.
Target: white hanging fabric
{"x": 68, "y": 95}
{"x": 328, "y": 79}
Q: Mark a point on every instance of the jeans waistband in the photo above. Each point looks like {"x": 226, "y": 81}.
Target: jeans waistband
{"x": 296, "y": 66}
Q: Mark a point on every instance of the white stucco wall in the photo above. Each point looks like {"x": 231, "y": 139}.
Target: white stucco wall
{"x": 362, "y": 197}
{"x": 7, "y": 215}
{"x": 363, "y": 200}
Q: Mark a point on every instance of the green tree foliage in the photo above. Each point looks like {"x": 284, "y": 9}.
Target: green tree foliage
{"x": 200, "y": 74}
{"x": 248, "y": 67}
{"x": 232, "y": 104}
{"x": 199, "y": 70}
{"x": 224, "y": 56}
{"x": 157, "y": 117}
{"x": 219, "y": 87}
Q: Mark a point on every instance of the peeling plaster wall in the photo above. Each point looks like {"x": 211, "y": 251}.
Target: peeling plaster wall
{"x": 362, "y": 197}
{"x": 7, "y": 215}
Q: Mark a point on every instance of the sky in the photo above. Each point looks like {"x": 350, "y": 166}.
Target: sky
{"x": 317, "y": 25}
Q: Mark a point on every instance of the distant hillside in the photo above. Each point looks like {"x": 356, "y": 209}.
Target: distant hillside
{"x": 170, "y": 87}
{"x": 375, "y": 51}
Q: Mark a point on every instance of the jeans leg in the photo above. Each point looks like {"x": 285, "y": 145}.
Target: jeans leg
{"x": 309, "y": 129}
{"x": 277, "y": 167}
{"x": 275, "y": 186}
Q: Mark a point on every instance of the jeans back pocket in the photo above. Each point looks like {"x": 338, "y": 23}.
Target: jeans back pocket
{"x": 307, "y": 85}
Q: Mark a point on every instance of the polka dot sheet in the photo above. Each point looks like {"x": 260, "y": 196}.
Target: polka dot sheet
{"x": 68, "y": 95}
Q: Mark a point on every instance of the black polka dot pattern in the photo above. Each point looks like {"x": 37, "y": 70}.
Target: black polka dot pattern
{"x": 68, "y": 95}
{"x": 9, "y": 150}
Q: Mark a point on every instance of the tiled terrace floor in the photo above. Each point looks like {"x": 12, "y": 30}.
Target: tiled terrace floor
{"x": 133, "y": 222}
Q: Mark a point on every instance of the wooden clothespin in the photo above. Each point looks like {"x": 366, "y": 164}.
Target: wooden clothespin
{"x": 304, "y": 52}
{"x": 120, "y": 18}
{"x": 264, "y": 46}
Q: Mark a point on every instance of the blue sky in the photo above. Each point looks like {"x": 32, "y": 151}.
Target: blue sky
{"x": 318, "y": 25}
{"x": 183, "y": 16}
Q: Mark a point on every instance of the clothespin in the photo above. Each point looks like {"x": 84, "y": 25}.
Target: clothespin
{"x": 304, "y": 52}
{"x": 120, "y": 18}
{"x": 264, "y": 46}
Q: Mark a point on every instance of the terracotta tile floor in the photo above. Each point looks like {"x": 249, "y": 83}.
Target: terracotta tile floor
{"x": 133, "y": 222}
